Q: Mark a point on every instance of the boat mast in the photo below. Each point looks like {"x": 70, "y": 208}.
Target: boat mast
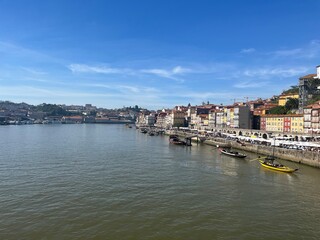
{"x": 274, "y": 145}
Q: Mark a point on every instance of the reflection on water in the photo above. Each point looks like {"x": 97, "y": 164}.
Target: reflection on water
{"x": 112, "y": 182}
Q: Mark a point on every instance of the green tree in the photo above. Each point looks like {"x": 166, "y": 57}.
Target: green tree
{"x": 278, "y": 110}
{"x": 293, "y": 90}
{"x": 51, "y": 109}
{"x": 292, "y": 103}
{"x": 315, "y": 98}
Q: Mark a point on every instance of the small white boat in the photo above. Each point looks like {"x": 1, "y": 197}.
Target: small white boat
{"x": 232, "y": 153}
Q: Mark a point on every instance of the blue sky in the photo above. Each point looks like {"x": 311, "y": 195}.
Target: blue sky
{"x": 156, "y": 53}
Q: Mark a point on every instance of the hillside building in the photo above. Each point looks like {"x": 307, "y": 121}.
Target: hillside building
{"x": 309, "y": 85}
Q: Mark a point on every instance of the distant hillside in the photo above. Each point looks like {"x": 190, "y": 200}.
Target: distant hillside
{"x": 13, "y": 106}
{"x": 292, "y": 90}
{"x": 51, "y": 109}
{"x": 290, "y": 107}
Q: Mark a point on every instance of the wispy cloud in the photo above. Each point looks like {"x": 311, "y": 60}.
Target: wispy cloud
{"x": 32, "y": 55}
{"x": 271, "y": 72}
{"x": 248, "y": 50}
{"x": 123, "y": 88}
{"x": 250, "y": 84}
{"x": 28, "y": 91}
{"x": 171, "y": 73}
{"x": 83, "y": 68}
{"x": 288, "y": 53}
{"x": 311, "y": 50}
{"x": 33, "y": 71}
{"x": 164, "y": 73}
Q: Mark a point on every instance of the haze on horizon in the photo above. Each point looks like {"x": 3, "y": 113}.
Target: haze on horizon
{"x": 154, "y": 53}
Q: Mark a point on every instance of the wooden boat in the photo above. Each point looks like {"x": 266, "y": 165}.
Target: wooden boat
{"x": 232, "y": 153}
{"x": 143, "y": 130}
{"x": 174, "y": 139}
{"x": 269, "y": 162}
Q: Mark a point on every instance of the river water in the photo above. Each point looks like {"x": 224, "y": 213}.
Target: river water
{"x": 112, "y": 182}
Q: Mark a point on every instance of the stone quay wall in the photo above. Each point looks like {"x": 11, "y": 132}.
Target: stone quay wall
{"x": 310, "y": 158}
{"x": 306, "y": 157}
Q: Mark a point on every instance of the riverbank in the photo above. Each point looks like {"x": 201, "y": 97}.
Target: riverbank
{"x": 299, "y": 156}
{"x": 310, "y": 158}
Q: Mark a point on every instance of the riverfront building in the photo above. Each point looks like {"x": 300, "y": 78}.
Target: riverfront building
{"x": 178, "y": 118}
{"x": 161, "y": 120}
{"x": 311, "y": 115}
{"x": 292, "y": 123}
{"x": 252, "y": 114}
{"x": 242, "y": 117}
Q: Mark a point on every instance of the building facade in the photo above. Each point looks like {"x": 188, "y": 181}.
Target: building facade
{"x": 308, "y": 86}
{"x": 290, "y": 123}
{"x": 242, "y": 117}
{"x": 283, "y": 98}
{"x": 178, "y": 118}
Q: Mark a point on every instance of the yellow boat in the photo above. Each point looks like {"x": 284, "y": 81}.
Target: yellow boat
{"x": 269, "y": 163}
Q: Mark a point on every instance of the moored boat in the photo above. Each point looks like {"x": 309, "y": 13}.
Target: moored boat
{"x": 270, "y": 163}
{"x": 232, "y": 153}
{"x": 143, "y": 130}
{"x": 174, "y": 139}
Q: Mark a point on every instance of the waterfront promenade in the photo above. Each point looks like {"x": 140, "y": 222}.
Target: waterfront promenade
{"x": 303, "y": 151}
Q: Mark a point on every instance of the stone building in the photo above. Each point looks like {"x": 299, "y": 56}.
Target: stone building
{"x": 309, "y": 85}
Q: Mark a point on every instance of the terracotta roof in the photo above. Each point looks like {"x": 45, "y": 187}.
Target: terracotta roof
{"x": 309, "y": 76}
{"x": 314, "y": 105}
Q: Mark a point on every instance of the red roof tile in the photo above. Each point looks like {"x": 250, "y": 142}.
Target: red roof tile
{"x": 309, "y": 76}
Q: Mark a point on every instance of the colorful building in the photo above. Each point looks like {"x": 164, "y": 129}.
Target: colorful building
{"x": 264, "y": 109}
{"x": 290, "y": 123}
{"x": 285, "y": 97}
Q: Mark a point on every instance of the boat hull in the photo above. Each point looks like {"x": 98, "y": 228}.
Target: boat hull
{"x": 177, "y": 143}
{"x": 174, "y": 139}
{"x": 233, "y": 154}
{"x": 280, "y": 169}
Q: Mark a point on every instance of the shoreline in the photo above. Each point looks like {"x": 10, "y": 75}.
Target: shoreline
{"x": 309, "y": 158}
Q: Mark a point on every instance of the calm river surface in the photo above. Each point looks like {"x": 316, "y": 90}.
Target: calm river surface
{"x": 113, "y": 182}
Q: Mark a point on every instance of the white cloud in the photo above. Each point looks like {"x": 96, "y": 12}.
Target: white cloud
{"x": 83, "y": 68}
{"x": 250, "y": 84}
{"x": 272, "y": 72}
{"x": 33, "y": 71}
{"x": 180, "y": 70}
{"x": 288, "y": 53}
{"x": 247, "y": 50}
{"x": 171, "y": 73}
{"x": 311, "y": 50}
{"x": 124, "y": 88}
{"x": 27, "y": 91}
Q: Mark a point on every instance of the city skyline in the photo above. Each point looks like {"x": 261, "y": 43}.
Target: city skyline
{"x": 154, "y": 54}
